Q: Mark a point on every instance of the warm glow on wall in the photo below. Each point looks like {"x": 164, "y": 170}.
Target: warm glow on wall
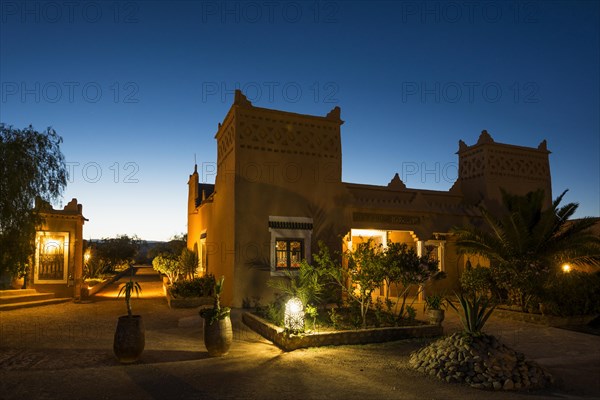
{"x": 566, "y": 268}
{"x": 51, "y": 257}
{"x": 51, "y": 246}
{"x": 367, "y": 234}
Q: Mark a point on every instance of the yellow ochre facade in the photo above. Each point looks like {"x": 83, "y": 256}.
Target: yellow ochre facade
{"x": 278, "y": 191}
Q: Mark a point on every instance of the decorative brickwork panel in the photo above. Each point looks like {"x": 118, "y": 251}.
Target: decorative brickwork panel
{"x": 308, "y": 138}
{"x": 505, "y": 163}
{"x": 226, "y": 142}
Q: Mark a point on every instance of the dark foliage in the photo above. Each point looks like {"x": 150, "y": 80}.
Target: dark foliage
{"x": 196, "y": 287}
{"x": 31, "y": 166}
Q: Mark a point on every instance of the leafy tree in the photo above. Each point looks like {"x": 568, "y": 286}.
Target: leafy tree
{"x": 173, "y": 247}
{"x": 117, "y": 251}
{"x": 32, "y": 166}
{"x": 362, "y": 276}
{"x": 404, "y": 267}
{"x": 526, "y": 244}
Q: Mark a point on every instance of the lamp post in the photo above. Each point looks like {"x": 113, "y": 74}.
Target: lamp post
{"x": 294, "y": 315}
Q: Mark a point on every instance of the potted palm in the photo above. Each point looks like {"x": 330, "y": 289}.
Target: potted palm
{"x": 435, "y": 305}
{"x": 218, "y": 333}
{"x": 130, "y": 334}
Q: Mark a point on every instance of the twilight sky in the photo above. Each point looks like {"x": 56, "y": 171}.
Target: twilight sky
{"x": 137, "y": 88}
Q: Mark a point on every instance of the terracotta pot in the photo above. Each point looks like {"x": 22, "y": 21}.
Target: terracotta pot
{"x": 435, "y": 317}
{"x": 218, "y": 336}
{"x": 17, "y": 283}
{"x": 130, "y": 339}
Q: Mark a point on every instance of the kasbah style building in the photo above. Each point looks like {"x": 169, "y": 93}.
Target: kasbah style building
{"x": 278, "y": 191}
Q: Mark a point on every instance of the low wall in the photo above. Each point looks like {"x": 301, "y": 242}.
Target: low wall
{"x": 189, "y": 302}
{"x": 288, "y": 342}
{"x": 99, "y": 286}
{"x": 186, "y": 302}
{"x": 540, "y": 319}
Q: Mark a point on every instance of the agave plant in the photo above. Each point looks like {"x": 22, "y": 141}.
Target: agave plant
{"x": 476, "y": 309}
{"x": 129, "y": 288}
{"x": 435, "y": 302}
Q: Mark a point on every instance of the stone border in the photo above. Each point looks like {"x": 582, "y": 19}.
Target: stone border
{"x": 540, "y": 319}
{"x": 101, "y": 285}
{"x": 186, "y": 302}
{"x": 189, "y": 302}
{"x": 288, "y": 342}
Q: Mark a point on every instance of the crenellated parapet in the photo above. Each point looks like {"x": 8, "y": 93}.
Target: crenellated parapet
{"x": 488, "y": 165}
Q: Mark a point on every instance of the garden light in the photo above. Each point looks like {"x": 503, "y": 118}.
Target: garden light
{"x": 294, "y": 315}
{"x": 566, "y": 268}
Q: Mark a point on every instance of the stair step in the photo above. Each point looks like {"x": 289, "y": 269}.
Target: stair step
{"x": 29, "y": 304}
{"x": 16, "y": 292}
{"x": 23, "y": 298}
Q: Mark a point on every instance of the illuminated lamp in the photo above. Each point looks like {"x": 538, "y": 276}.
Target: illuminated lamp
{"x": 294, "y": 315}
{"x": 566, "y": 268}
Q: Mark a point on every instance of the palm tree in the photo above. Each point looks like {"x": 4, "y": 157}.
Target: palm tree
{"x": 526, "y": 243}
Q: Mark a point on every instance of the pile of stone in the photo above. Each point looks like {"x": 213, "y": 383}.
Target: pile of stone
{"x": 481, "y": 362}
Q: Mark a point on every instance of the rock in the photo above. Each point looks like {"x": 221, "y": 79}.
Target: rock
{"x": 508, "y": 385}
{"x": 481, "y": 362}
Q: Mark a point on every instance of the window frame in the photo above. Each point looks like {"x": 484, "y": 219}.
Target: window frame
{"x": 65, "y": 249}
{"x": 289, "y": 228}
{"x": 288, "y": 252}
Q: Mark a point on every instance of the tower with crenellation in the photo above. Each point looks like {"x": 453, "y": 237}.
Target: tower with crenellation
{"x": 488, "y": 166}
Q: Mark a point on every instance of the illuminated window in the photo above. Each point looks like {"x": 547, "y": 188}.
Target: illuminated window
{"x": 52, "y": 255}
{"x": 289, "y": 253}
{"x": 290, "y": 243}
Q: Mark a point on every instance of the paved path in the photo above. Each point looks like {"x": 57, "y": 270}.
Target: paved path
{"x": 65, "y": 351}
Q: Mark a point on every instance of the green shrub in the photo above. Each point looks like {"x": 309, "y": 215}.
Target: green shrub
{"x": 574, "y": 293}
{"x": 275, "y": 310}
{"x": 196, "y": 287}
{"x": 94, "y": 268}
{"x": 169, "y": 265}
{"x": 476, "y": 280}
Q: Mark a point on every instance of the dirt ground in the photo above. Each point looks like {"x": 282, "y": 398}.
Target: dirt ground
{"x": 64, "y": 351}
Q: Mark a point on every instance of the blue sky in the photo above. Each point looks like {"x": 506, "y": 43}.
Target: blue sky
{"x": 136, "y": 89}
